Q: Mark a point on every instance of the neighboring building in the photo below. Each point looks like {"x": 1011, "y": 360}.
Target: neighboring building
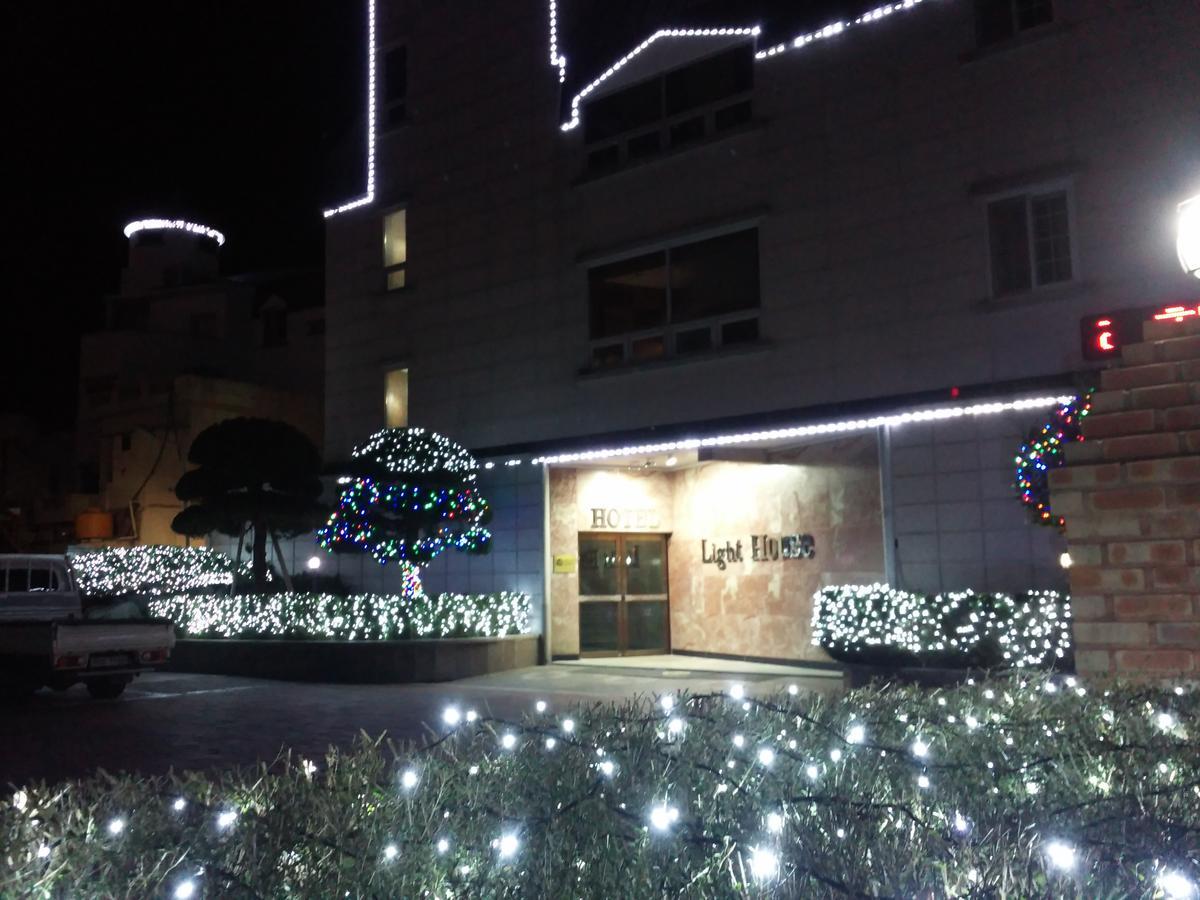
{"x": 181, "y": 349}
{"x": 711, "y": 300}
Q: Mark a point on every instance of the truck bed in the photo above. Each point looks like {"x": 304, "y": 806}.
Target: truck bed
{"x": 84, "y": 636}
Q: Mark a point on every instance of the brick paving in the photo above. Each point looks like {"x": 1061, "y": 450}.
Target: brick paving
{"x": 166, "y": 720}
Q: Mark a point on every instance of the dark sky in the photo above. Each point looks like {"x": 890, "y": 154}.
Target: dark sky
{"x": 234, "y": 113}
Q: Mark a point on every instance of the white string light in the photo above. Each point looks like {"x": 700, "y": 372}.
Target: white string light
{"x": 892, "y": 420}
{"x": 368, "y": 196}
{"x": 174, "y": 225}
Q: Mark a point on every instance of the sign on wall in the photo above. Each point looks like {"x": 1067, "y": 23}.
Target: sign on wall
{"x": 759, "y": 548}
{"x": 564, "y": 564}
{"x": 614, "y": 519}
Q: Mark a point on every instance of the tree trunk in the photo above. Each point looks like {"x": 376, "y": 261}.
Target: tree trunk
{"x": 237, "y": 562}
{"x": 258, "y": 565}
{"x": 283, "y": 569}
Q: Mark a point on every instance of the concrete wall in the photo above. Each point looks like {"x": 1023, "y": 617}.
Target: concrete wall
{"x": 958, "y": 522}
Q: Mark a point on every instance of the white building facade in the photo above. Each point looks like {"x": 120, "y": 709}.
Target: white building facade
{"x": 741, "y": 304}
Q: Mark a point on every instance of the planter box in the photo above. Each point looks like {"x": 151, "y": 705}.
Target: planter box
{"x": 356, "y": 662}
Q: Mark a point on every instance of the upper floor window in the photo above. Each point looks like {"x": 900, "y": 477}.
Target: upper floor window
{"x": 395, "y": 248}
{"x": 1029, "y": 237}
{"x": 670, "y": 110}
{"x": 682, "y": 299}
{"x": 395, "y": 87}
{"x": 999, "y": 20}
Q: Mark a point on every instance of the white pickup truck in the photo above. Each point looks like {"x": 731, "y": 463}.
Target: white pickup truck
{"x": 47, "y": 638}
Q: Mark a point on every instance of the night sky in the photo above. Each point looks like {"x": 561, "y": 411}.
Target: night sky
{"x": 242, "y": 114}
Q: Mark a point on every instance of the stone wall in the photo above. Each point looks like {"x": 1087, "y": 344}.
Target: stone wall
{"x": 1131, "y": 496}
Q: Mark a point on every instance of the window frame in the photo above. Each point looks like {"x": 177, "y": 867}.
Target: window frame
{"x": 402, "y": 267}
{"x": 1030, "y": 192}
{"x": 388, "y": 369}
{"x": 669, "y": 331}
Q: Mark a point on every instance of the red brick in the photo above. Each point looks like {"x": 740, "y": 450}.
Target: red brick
{"x": 1085, "y": 476}
{"x": 1191, "y": 441}
{"x": 1138, "y": 421}
{"x": 1189, "y": 371}
{"x": 1081, "y": 453}
{"x": 1141, "y": 446}
{"x": 1123, "y": 553}
{"x": 1186, "y": 634}
{"x": 1112, "y": 634}
{"x": 1140, "y": 354}
{"x": 1182, "y": 418}
{"x": 1093, "y": 662}
{"x": 1128, "y": 499}
{"x": 1115, "y": 401}
{"x": 1095, "y": 526}
{"x": 1169, "y": 328}
{"x": 1176, "y": 577}
{"x": 1089, "y": 607}
{"x": 1087, "y": 554}
{"x": 1161, "y": 396}
{"x": 1093, "y": 579}
{"x": 1139, "y": 376}
{"x": 1177, "y": 349}
{"x": 1068, "y": 503}
{"x": 1185, "y": 495}
{"x": 1182, "y": 523}
{"x": 1155, "y": 660}
{"x": 1152, "y": 608}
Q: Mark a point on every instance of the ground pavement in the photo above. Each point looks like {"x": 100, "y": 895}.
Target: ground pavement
{"x": 166, "y": 720}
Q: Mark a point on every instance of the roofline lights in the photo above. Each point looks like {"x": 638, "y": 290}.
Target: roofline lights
{"x": 928, "y": 414}
{"x": 174, "y": 225}
{"x": 368, "y": 196}
{"x": 629, "y": 57}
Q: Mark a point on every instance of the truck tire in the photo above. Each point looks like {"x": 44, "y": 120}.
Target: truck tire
{"x": 106, "y": 688}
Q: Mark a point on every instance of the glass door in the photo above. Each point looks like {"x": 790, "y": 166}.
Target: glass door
{"x": 623, "y": 604}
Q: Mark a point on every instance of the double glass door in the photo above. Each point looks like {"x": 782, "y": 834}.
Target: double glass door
{"x": 623, "y": 594}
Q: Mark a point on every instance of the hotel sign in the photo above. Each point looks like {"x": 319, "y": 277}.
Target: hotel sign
{"x": 623, "y": 519}
{"x": 761, "y": 547}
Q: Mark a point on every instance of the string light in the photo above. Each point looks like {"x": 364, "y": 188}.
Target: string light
{"x": 368, "y": 196}
{"x": 861, "y": 622}
{"x": 359, "y": 617}
{"x": 409, "y": 779}
{"x": 116, "y": 826}
{"x": 226, "y": 818}
{"x": 174, "y": 225}
{"x": 185, "y": 890}
{"x": 764, "y": 864}
{"x": 1176, "y": 886}
{"x": 1061, "y": 855}
{"x": 892, "y": 420}
{"x": 1043, "y": 452}
{"x": 390, "y": 852}
{"x": 151, "y": 570}
{"x": 508, "y": 846}
{"x": 663, "y": 816}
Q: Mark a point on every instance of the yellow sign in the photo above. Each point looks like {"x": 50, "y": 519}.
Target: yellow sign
{"x": 564, "y": 565}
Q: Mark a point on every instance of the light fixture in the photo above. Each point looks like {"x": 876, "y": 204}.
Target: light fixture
{"x": 1188, "y": 240}
{"x": 314, "y": 563}
{"x": 672, "y": 461}
{"x": 1064, "y": 560}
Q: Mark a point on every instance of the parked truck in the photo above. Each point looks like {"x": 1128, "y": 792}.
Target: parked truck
{"x": 48, "y": 638}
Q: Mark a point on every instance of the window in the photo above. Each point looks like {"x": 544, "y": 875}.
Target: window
{"x": 395, "y": 248}
{"x": 395, "y": 398}
{"x": 1030, "y": 241}
{"x": 670, "y": 110}
{"x": 684, "y": 299}
{"x": 999, "y": 20}
{"x": 395, "y": 87}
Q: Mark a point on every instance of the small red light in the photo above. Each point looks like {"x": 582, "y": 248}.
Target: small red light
{"x": 954, "y": 392}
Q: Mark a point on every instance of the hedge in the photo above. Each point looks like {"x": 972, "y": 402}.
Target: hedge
{"x": 878, "y": 625}
{"x": 999, "y": 789}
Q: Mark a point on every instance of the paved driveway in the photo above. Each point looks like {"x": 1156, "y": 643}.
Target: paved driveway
{"x": 166, "y": 720}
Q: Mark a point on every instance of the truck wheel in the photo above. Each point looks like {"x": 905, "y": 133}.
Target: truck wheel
{"x": 106, "y": 688}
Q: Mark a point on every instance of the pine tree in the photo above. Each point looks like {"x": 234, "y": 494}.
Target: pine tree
{"x": 409, "y": 495}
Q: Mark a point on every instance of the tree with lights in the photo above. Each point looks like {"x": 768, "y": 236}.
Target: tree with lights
{"x": 1043, "y": 452}
{"x": 409, "y": 495}
{"x": 255, "y": 472}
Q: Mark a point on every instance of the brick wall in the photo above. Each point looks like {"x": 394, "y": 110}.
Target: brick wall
{"x": 1131, "y": 496}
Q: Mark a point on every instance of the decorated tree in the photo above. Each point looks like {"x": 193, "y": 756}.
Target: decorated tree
{"x": 1042, "y": 452}
{"x": 409, "y": 495}
{"x": 254, "y": 472}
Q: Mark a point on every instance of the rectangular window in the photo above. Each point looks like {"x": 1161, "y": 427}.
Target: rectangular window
{"x": 697, "y": 100}
{"x": 395, "y": 398}
{"x": 999, "y": 20}
{"x": 395, "y": 248}
{"x": 395, "y": 87}
{"x": 1029, "y": 240}
{"x": 685, "y": 299}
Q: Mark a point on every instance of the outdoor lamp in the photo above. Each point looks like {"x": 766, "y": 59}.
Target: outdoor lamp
{"x": 1188, "y": 242}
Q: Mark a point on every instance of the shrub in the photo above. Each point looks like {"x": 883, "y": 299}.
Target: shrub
{"x": 151, "y": 570}
{"x": 877, "y": 625}
{"x": 362, "y": 617}
{"x": 1001, "y": 789}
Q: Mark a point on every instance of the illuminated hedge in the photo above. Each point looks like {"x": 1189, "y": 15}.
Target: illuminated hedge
{"x": 995, "y": 790}
{"x": 361, "y": 617}
{"x": 876, "y": 624}
{"x": 151, "y": 570}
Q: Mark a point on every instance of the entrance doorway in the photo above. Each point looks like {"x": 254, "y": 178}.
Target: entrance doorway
{"x": 623, "y": 608}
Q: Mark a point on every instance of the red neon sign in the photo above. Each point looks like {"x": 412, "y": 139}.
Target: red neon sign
{"x": 1104, "y": 335}
{"x": 1178, "y": 313}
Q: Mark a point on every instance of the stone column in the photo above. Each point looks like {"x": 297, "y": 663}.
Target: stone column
{"x": 1130, "y": 493}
